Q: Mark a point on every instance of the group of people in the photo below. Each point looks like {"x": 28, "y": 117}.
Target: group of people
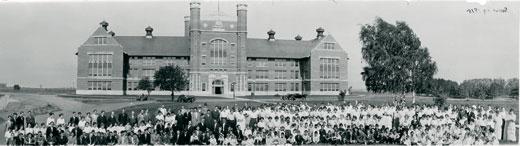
{"x": 271, "y": 124}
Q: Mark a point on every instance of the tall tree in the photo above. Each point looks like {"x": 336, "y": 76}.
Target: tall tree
{"x": 397, "y": 62}
{"x": 145, "y": 84}
{"x": 171, "y": 78}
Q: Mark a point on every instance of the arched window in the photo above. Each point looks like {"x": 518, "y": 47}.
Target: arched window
{"x": 218, "y": 52}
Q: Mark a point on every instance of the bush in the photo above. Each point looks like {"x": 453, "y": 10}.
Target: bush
{"x": 439, "y": 101}
{"x": 277, "y": 95}
{"x": 16, "y": 87}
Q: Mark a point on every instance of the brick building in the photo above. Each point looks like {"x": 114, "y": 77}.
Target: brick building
{"x": 215, "y": 54}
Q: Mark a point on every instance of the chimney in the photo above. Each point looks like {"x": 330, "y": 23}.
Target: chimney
{"x": 242, "y": 17}
{"x": 320, "y": 31}
{"x": 298, "y": 38}
{"x": 194, "y": 15}
{"x": 271, "y": 34}
{"x": 149, "y": 31}
{"x": 104, "y": 24}
{"x": 186, "y": 26}
{"x": 112, "y": 33}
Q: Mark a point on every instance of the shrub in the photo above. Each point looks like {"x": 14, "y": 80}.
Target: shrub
{"x": 16, "y": 87}
{"x": 439, "y": 101}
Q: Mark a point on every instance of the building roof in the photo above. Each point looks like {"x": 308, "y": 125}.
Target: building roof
{"x": 155, "y": 46}
{"x": 179, "y": 46}
{"x": 279, "y": 48}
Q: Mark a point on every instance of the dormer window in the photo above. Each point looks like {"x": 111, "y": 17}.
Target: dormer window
{"x": 329, "y": 46}
{"x": 101, "y": 40}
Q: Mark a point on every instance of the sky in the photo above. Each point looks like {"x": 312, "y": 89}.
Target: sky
{"x": 38, "y": 39}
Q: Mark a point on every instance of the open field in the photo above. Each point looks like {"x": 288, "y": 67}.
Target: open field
{"x": 43, "y": 91}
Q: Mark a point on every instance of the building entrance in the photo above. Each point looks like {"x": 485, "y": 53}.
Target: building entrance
{"x": 218, "y": 87}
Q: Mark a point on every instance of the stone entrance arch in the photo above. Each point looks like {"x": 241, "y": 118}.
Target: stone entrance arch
{"x": 218, "y": 86}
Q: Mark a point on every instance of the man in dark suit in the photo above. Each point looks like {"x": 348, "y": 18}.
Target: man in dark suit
{"x": 215, "y": 114}
{"x": 148, "y": 137}
{"x": 74, "y": 120}
{"x": 112, "y": 120}
{"x": 77, "y": 131}
{"x": 123, "y": 117}
{"x": 141, "y": 137}
{"x": 202, "y": 125}
{"x": 214, "y": 126}
{"x": 29, "y": 119}
{"x": 20, "y": 121}
{"x": 51, "y": 129}
{"x": 102, "y": 119}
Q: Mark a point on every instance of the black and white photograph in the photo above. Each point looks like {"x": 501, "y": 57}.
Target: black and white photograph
{"x": 259, "y": 72}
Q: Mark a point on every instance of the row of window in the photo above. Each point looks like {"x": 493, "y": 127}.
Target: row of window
{"x": 329, "y": 68}
{"x": 277, "y": 87}
{"x": 278, "y": 74}
{"x": 130, "y": 85}
{"x": 329, "y": 86}
{"x": 100, "y": 65}
{"x": 136, "y": 73}
{"x": 276, "y": 62}
{"x": 157, "y": 58}
{"x": 99, "y": 85}
{"x": 257, "y": 87}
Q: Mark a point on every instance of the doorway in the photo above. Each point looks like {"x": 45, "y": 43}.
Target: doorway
{"x": 218, "y": 87}
{"x": 218, "y": 90}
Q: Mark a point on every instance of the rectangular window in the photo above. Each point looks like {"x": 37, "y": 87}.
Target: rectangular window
{"x": 100, "y": 85}
{"x": 100, "y": 40}
{"x": 328, "y": 46}
{"x": 100, "y": 65}
{"x": 329, "y": 68}
{"x": 249, "y": 86}
{"x": 262, "y": 74}
{"x": 280, "y": 86}
{"x": 204, "y": 60}
{"x": 329, "y": 86}
{"x": 148, "y": 73}
{"x": 249, "y": 74}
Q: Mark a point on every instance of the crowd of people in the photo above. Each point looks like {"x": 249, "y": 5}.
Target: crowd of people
{"x": 271, "y": 124}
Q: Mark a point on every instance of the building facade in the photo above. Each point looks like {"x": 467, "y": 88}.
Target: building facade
{"x": 219, "y": 58}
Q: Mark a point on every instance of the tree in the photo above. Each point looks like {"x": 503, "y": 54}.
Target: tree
{"x": 397, "y": 62}
{"x": 171, "y": 78}
{"x": 512, "y": 87}
{"x": 17, "y": 87}
{"x": 145, "y": 84}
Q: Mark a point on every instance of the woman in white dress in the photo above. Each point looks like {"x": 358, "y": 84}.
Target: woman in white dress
{"x": 511, "y": 126}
